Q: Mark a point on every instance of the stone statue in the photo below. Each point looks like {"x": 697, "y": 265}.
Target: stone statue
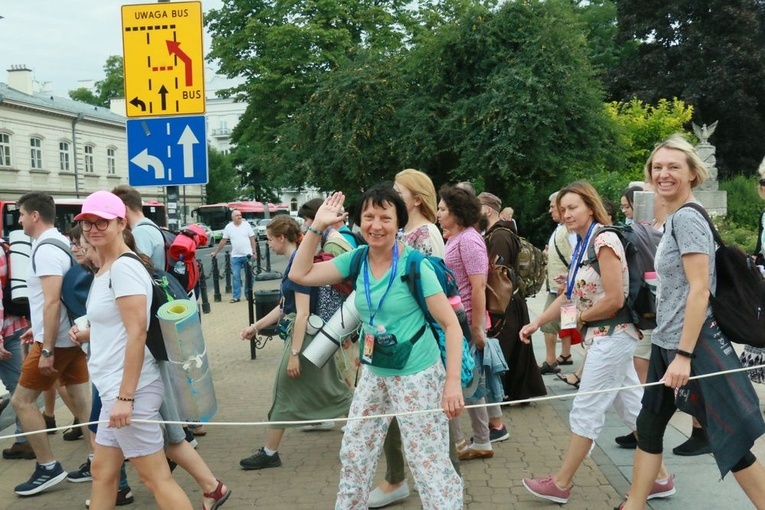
{"x": 704, "y": 132}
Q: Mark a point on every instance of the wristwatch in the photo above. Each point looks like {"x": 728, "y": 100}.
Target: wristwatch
{"x": 46, "y": 353}
{"x": 295, "y": 352}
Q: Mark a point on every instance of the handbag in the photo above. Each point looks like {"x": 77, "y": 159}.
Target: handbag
{"x": 499, "y": 287}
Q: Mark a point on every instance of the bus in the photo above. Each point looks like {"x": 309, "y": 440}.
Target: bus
{"x": 217, "y": 216}
{"x": 66, "y": 210}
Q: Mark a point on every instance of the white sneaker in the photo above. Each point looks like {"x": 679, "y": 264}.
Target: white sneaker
{"x": 379, "y": 499}
{"x": 325, "y": 425}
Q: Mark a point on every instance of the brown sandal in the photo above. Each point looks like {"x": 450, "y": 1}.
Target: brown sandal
{"x": 564, "y": 378}
{"x": 218, "y": 495}
{"x": 564, "y": 360}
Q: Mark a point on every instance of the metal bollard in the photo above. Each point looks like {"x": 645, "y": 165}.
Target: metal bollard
{"x": 268, "y": 259}
{"x": 227, "y": 271}
{"x": 248, "y": 285}
{"x": 203, "y": 289}
{"x": 258, "y": 269}
{"x": 216, "y": 280}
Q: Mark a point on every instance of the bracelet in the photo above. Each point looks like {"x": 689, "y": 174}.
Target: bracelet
{"x": 685, "y": 354}
{"x": 124, "y": 399}
{"x": 316, "y": 231}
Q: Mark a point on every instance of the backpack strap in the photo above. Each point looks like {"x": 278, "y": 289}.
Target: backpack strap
{"x": 359, "y": 255}
{"x": 58, "y": 243}
{"x": 705, "y": 214}
{"x": 560, "y": 254}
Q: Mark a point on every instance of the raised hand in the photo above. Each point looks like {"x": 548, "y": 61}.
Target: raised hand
{"x": 330, "y": 211}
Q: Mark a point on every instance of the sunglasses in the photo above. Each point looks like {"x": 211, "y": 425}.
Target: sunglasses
{"x": 762, "y": 182}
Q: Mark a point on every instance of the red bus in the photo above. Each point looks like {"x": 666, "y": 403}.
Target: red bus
{"x": 66, "y": 210}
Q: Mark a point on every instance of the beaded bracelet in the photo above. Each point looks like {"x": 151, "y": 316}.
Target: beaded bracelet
{"x": 316, "y": 231}
{"x": 124, "y": 399}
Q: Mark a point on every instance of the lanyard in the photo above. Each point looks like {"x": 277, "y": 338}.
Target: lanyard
{"x": 576, "y": 260}
{"x": 390, "y": 283}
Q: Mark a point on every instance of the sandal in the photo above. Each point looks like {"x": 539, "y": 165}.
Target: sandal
{"x": 564, "y": 378}
{"x": 461, "y": 447}
{"x": 564, "y": 360}
{"x": 547, "y": 368}
{"x": 218, "y": 495}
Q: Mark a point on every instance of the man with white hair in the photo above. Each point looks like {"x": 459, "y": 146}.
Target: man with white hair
{"x": 242, "y": 246}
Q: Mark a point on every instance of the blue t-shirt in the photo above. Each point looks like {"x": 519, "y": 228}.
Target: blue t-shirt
{"x": 288, "y": 289}
{"x": 400, "y": 313}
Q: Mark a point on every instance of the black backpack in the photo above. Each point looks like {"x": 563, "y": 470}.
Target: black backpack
{"x": 738, "y": 305}
{"x": 189, "y": 278}
{"x": 10, "y": 307}
{"x": 165, "y": 288}
{"x": 640, "y": 243}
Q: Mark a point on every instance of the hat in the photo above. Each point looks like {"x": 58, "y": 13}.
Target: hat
{"x": 490, "y": 200}
{"x": 309, "y": 209}
{"x": 102, "y": 204}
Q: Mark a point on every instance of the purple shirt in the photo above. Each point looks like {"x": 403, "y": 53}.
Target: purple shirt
{"x": 466, "y": 255}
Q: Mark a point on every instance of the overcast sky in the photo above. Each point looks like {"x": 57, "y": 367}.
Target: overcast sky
{"x": 64, "y": 41}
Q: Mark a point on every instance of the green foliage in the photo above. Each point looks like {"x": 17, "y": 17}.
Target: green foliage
{"x": 744, "y": 203}
{"x": 641, "y": 126}
{"x": 223, "y": 182}
{"x": 744, "y": 236}
{"x": 710, "y": 54}
{"x": 111, "y": 87}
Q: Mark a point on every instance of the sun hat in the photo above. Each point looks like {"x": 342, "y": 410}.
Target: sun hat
{"x": 102, "y": 204}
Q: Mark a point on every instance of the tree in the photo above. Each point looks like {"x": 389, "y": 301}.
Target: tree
{"x": 223, "y": 183}
{"x": 286, "y": 49}
{"x": 111, "y": 87}
{"x": 709, "y": 53}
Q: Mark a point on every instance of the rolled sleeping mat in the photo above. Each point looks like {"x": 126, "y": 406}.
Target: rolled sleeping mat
{"x": 20, "y": 250}
{"x": 189, "y": 368}
{"x": 330, "y": 337}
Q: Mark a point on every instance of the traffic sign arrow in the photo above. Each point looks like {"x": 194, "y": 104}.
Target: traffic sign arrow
{"x": 163, "y": 92}
{"x": 138, "y": 103}
{"x": 187, "y": 141}
{"x": 144, "y": 160}
{"x": 174, "y": 47}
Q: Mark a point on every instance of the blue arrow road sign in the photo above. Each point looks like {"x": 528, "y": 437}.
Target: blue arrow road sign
{"x": 167, "y": 151}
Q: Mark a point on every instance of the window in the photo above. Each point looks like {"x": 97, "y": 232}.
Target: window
{"x": 35, "y": 145}
{"x": 111, "y": 161}
{"x": 5, "y": 149}
{"x": 63, "y": 156}
{"x": 89, "y": 169}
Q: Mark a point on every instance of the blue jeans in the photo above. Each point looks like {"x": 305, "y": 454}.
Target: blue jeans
{"x": 237, "y": 264}
{"x": 10, "y": 370}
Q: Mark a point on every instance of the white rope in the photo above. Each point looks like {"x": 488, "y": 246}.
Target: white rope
{"x": 391, "y": 415}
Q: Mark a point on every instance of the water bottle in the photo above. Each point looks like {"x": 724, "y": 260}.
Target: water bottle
{"x": 383, "y": 338}
{"x": 180, "y": 266}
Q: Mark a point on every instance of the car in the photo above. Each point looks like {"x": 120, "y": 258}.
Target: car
{"x": 208, "y": 233}
{"x": 262, "y": 224}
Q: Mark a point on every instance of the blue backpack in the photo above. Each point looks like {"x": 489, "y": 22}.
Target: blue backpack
{"x": 413, "y": 279}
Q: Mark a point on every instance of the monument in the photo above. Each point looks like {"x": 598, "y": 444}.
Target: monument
{"x": 714, "y": 199}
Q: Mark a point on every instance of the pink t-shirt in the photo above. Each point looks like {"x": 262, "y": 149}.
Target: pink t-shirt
{"x": 466, "y": 255}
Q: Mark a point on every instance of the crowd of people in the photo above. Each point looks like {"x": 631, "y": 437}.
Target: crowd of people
{"x": 406, "y": 355}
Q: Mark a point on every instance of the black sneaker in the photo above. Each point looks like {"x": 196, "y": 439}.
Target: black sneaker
{"x": 74, "y": 433}
{"x": 694, "y": 446}
{"x": 260, "y": 460}
{"x": 500, "y": 434}
{"x": 629, "y": 441}
{"x": 50, "y": 423}
{"x": 547, "y": 368}
{"x": 41, "y": 479}
{"x": 82, "y": 474}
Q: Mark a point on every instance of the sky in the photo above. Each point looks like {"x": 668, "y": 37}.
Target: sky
{"x": 65, "y": 41}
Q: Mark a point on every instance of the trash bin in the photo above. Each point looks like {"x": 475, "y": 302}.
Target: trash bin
{"x": 265, "y": 301}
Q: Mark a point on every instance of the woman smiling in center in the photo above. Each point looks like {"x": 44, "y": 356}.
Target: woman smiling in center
{"x": 402, "y": 370}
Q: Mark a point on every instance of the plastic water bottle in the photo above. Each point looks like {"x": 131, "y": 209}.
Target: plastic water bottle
{"x": 383, "y": 338}
{"x": 180, "y": 266}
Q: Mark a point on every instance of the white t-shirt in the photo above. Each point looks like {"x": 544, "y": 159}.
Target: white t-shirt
{"x": 49, "y": 261}
{"x": 108, "y": 336}
{"x": 240, "y": 238}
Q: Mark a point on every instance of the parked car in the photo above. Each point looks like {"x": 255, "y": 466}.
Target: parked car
{"x": 261, "y": 229}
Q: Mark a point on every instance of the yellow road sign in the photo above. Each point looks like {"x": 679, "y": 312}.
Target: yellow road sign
{"x": 163, "y": 59}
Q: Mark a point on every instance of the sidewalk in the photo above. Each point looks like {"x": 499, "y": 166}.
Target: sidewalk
{"x": 310, "y": 465}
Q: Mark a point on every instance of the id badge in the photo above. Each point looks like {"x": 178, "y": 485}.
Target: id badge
{"x": 369, "y": 347}
{"x": 568, "y": 315}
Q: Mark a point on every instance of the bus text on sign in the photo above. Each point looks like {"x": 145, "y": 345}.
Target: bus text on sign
{"x": 163, "y": 59}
